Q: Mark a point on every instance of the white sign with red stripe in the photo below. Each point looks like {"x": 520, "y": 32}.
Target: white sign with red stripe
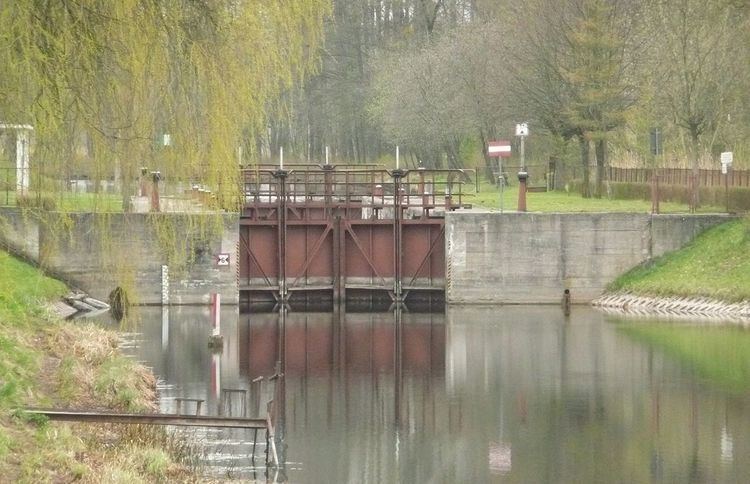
{"x": 499, "y": 149}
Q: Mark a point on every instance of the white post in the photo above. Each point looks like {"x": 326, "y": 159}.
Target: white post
{"x": 281, "y": 157}
{"x": 22, "y": 161}
{"x": 165, "y": 285}
{"x": 326, "y": 155}
{"x": 397, "y": 157}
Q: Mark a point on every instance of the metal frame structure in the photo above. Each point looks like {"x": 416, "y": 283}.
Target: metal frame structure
{"x": 334, "y": 230}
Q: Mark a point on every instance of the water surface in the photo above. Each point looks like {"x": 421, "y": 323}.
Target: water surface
{"x": 495, "y": 394}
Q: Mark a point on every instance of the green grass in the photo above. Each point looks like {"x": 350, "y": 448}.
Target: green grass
{"x": 716, "y": 264}
{"x": 23, "y": 292}
{"x": 22, "y": 289}
{"x": 561, "y": 201}
{"x": 46, "y": 362}
{"x": 718, "y": 354}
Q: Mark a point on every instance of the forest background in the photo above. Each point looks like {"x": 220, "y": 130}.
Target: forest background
{"x": 192, "y": 88}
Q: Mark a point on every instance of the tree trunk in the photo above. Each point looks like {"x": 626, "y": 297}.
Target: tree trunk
{"x": 601, "y": 162}
{"x": 585, "y": 185}
{"x": 695, "y": 188}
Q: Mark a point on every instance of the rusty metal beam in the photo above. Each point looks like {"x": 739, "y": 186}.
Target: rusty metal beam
{"x": 148, "y": 418}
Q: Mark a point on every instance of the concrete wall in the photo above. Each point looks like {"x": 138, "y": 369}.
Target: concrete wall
{"x": 98, "y": 252}
{"x": 520, "y": 258}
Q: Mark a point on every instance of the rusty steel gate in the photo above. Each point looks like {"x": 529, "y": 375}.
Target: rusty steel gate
{"x": 335, "y": 233}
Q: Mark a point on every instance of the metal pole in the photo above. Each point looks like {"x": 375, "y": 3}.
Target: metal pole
{"x": 501, "y": 181}
{"x": 397, "y": 175}
{"x": 280, "y": 176}
{"x": 523, "y": 155}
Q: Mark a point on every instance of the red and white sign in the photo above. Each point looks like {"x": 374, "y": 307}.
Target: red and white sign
{"x": 499, "y": 149}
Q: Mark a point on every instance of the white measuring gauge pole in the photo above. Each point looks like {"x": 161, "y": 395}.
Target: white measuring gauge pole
{"x": 397, "y": 157}
{"x": 281, "y": 157}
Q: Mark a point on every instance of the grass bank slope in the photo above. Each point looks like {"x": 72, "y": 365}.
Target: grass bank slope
{"x": 716, "y": 264}
{"x": 47, "y": 362}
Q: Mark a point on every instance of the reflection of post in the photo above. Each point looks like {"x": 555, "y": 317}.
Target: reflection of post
{"x": 398, "y": 369}
{"x": 216, "y": 375}
{"x": 280, "y": 383}
{"x": 164, "y": 327}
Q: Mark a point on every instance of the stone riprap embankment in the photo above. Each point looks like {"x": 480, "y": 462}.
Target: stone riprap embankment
{"x": 675, "y": 307}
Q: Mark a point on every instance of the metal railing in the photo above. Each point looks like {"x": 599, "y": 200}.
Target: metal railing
{"x": 350, "y": 187}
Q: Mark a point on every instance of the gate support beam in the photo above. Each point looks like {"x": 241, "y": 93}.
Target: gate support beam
{"x": 280, "y": 176}
{"x": 397, "y": 216}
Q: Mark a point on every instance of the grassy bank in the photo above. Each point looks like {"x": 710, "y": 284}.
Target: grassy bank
{"x": 47, "y": 362}
{"x": 560, "y": 201}
{"x": 716, "y": 264}
{"x": 721, "y": 355}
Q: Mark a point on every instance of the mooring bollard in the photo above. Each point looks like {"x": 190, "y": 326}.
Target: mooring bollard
{"x": 216, "y": 340}
{"x": 155, "y": 198}
{"x": 522, "y": 177}
{"x": 566, "y": 302}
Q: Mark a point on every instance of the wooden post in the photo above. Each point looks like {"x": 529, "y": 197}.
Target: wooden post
{"x": 522, "y": 177}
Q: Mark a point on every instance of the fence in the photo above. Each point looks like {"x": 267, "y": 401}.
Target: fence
{"x": 680, "y": 176}
{"x": 80, "y": 194}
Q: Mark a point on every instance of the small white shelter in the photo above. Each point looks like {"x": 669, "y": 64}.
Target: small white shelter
{"x": 23, "y": 140}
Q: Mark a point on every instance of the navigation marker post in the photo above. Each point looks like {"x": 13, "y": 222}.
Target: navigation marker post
{"x": 499, "y": 149}
{"x": 522, "y": 131}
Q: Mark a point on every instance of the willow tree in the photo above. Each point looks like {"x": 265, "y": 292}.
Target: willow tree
{"x": 102, "y": 82}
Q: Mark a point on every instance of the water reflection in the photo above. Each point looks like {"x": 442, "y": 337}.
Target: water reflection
{"x": 473, "y": 395}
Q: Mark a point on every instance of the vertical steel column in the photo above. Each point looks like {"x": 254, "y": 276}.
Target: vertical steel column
{"x": 328, "y": 188}
{"x": 280, "y": 176}
{"x": 336, "y": 269}
{"x": 397, "y": 216}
